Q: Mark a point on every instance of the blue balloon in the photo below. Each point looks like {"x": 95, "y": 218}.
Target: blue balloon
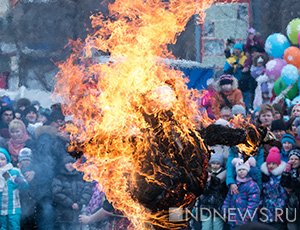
{"x": 296, "y": 100}
{"x": 276, "y": 44}
{"x": 289, "y": 74}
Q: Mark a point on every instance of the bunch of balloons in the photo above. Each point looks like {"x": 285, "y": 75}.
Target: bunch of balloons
{"x": 283, "y": 68}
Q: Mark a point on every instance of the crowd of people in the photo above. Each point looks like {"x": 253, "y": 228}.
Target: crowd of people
{"x": 265, "y": 188}
{"x": 40, "y": 188}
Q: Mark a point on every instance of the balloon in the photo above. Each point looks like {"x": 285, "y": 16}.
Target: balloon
{"x": 274, "y": 67}
{"x": 289, "y": 74}
{"x": 296, "y": 100}
{"x": 276, "y": 44}
{"x": 293, "y": 29}
{"x": 299, "y": 38}
{"x": 292, "y": 56}
{"x": 279, "y": 86}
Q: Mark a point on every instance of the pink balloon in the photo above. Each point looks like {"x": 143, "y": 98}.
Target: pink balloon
{"x": 274, "y": 67}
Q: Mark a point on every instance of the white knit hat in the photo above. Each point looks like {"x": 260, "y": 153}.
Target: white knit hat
{"x": 240, "y": 164}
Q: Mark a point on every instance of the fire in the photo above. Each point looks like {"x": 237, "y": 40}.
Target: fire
{"x": 252, "y": 141}
{"x": 123, "y": 107}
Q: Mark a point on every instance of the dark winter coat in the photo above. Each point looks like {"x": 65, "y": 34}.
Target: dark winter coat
{"x": 215, "y": 191}
{"x": 48, "y": 149}
{"x": 274, "y": 195}
{"x": 291, "y": 180}
{"x": 69, "y": 188}
{"x": 244, "y": 204}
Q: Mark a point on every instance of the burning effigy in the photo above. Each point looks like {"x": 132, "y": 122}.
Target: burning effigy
{"x": 134, "y": 118}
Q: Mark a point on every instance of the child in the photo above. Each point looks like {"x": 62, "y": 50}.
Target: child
{"x": 28, "y": 199}
{"x": 227, "y": 94}
{"x": 290, "y": 180}
{"x": 214, "y": 193}
{"x": 242, "y": 207}
{"x": 288, "y": 142}
{"x": 273, "y": 194}
{"x": 70, "y": 193}
{"x": 11, "y": 180}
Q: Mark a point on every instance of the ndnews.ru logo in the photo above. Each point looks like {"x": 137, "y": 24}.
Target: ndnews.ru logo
{"x": 204, "y": 214}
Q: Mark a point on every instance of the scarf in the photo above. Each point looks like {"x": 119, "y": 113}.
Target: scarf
{"x": 15, "y": 145}
{"x": 243, "y": 180}
{"x": 3, "y": 170}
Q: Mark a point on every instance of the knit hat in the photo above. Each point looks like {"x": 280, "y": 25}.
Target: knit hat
{"x": 295, "y": 152}
{"x": 6, "y": 154}
{"x": 288, "y": 138}
{"x": 217, "y": 158}
{"x": 278, "y": 125}
{"x": 6, "y": 100}
{"x": 238, "y": 109}
{"x": 251, "y": 30}
{"x": 238, "y": 46}
{"x": 25, "y": 154}
{"x": 226, "y": 79}
{"x": 273, "y": 156}
{"x": 240, "y": 164}
{"x": 29, "y": 109}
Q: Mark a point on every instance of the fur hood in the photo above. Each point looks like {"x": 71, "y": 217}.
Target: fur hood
{"x": 45, "y": 129}
{"x": 276, "y": 172}
{"x": 235, "y": 85}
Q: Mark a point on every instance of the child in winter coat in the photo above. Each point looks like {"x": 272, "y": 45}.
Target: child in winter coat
{"x": 242, "y": 207}
{"x": 11, "y": 180}
{"x": 290, "y": 180}
{"x": 227, "y": 94}
{"x": 70, "y": 193}
{"x": 214, "y": 193}
{"x": 28, "y": 201}
{"x": 288, "y": 143}
{"x": 273, "y": 194}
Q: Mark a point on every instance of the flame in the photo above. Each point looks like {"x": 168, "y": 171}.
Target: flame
{"x": 113, "y": 102}
{"x": 251, "y": 147}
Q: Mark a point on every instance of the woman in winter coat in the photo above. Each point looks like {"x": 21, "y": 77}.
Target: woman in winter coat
{"x": 19, "y": 137}
{"x": 273, "y": 194}
{"x": 242, "y": 207}
{"x": 70, "y": 194}
{"x": 290, "y": 180}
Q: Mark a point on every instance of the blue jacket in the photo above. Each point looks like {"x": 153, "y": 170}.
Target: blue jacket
{"x": 254, "y": 173}
{"x": 9, "y": 197}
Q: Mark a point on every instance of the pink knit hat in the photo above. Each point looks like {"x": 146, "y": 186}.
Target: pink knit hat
{"x": 274, "y": 156}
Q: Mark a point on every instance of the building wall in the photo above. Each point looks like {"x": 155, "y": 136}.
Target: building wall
{"x": 222, "y": 21}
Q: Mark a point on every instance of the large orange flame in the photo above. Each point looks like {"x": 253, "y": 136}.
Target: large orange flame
{"x": 110, "y": 100}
